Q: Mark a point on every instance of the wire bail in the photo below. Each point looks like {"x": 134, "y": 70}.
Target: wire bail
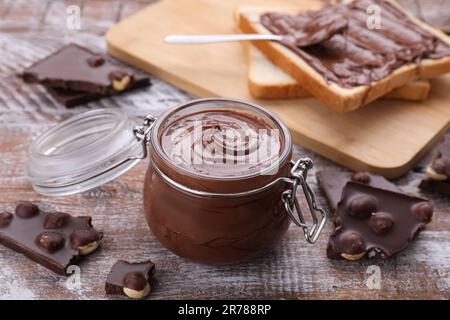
{"x": 299, "y": 172}
{"x": 142, "y": 132}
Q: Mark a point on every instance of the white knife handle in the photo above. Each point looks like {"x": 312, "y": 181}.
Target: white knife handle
{"x": 203, "y": 39}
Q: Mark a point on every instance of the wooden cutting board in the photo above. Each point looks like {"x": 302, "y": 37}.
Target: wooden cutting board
{"x": 386, "y": 137}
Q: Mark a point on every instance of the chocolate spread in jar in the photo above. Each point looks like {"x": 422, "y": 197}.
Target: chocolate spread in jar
{"x": 208, "y": 229}
{"x": 222, "y": 143}
{"x": 337, "y": 42}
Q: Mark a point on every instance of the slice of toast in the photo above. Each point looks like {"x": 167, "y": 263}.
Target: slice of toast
{"x": 267, "y": 81}
{"x": 338, "y": 98}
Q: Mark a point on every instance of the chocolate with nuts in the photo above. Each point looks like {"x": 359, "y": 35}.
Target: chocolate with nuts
{"x": 376, "y": 222}
{"x": 78, "y": 69}
{"x": 130, "y": 279}
{"x": 438, "y": 172}
{"x": 52, "y": 239}
{"x": 72, "y": 99}
{"x": 332, "y": 183}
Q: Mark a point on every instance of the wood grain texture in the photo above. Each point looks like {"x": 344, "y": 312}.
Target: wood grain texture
{"x": 294, "y": 270}
{"x": 359, "y": 140}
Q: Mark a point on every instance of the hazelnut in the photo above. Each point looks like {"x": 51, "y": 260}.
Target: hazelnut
{"x": 137, "y": 294}
{"x": 362, "y": 206}
{"x": 120, "y": 80}
{"x": 136, "y": 285}
{"x": 85, "y": 240}
{"x": 50, "y": 241}
{"x": 423, "y": 211}
{"x": 5, "y": 219}
{"x": 26, "y": 210}
{"x": 353, "y": 257}
{"x": 352, "y": 245}
{"x": 96, "y": 61}
{"x": 436, "y": 171}
{"x": 381, "y": 222}
{"x": 56, "y": 220}
{"x": 361, "y": 177}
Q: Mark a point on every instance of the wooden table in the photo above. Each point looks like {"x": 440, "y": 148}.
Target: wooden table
{"x": 31, "y": 29}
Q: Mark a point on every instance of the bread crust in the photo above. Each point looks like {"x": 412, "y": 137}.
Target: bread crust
{"x": 337, "y": 98}
{"x": 267, "y": 81}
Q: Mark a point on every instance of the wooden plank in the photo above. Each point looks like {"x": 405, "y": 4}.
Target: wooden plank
{"x": 376, "y": 138}
{"x": 100, "y": 14}
{"x": 23, "y": 14}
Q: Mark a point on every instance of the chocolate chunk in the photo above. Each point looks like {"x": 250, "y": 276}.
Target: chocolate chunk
{"x": 72, "y": 99}
{"x": 26, "y": 210}
{"x": 50, "y": 241}
{"x": 385, "y": 232}
{"x": 362, "y": 206}
{"x": 130, "y": 279}
{"x": 82, "y": 237}
{"x": 351, "y": 243}
{"x": 441, "y": 165}
{"x": 424, "y": 212}
{"x": 381, "y": 222}
{"x": 96, "y": 60}
{"x": 33, "y": 238}
{"x": 5, "y": 219}
{"x": 438, "y": 172}
{"x": 56, "y": 220}
{"x": 332, "y": 183}
{"x": 67, "y": 69}
{"x": 361, "y": 177}
{"x": 135, "y": 281}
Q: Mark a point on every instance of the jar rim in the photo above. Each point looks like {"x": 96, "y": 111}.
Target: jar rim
{"x": 155, "y": 141}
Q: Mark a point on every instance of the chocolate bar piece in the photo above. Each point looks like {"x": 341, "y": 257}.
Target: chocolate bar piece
{"x": 332, "y": 183}
{"x": 376, "y": 222}
{"x": 78, "y": 69}
{"x": 72, "y": 99}
{"x": 130, "y": 279}
{"x": 438, "y": 172}
{"x": 55, "y": 240}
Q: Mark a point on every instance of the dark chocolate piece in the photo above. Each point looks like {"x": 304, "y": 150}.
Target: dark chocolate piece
{"x": 75, "y": 68}
{"x": 376, "y": 222}
{"x": 438, "y": 172}
{"x": 332, "y": 183}
{"x": 130, "y": 279}
{"x": 72, "y": 99}
{"x": 47, "y": 237}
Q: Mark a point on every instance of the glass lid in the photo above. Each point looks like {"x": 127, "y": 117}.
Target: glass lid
{"x": 83, "y": 152}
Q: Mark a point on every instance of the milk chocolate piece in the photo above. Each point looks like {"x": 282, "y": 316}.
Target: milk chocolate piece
{"x": 130, "y": 279}
{"x": 46, "y": 237}
{"x": 438, "y": 171}
{"x": 78, "y": 69}
{"x": 332, "y": 183}
{"x": 356, "y": 55}
{"x": 376, "y": 222}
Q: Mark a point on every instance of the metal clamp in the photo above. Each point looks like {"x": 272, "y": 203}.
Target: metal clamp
{"x": 299, "y": 172}
{"x": 142, "y": 132}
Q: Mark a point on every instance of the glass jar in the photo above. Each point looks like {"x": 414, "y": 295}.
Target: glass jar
{"x": 220, "y": 186}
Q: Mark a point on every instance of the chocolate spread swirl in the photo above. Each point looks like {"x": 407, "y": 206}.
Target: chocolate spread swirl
{"x": 338, "y": 44}
{"x": 222, "y": 143}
